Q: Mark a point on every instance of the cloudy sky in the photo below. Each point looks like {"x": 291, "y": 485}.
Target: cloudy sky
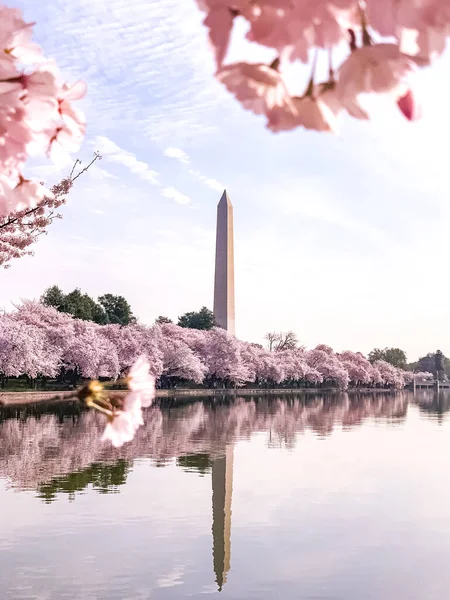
{"x": 342, "y": 239}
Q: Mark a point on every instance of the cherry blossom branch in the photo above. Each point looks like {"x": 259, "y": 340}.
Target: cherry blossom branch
{"x": 19, "y": 230}
{"x": 14, "y": 219}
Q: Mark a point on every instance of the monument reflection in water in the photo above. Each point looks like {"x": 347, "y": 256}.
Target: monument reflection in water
{"x": 221, "y": 469}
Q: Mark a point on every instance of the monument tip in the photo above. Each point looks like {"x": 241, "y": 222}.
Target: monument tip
{"x": 225, "y": 198}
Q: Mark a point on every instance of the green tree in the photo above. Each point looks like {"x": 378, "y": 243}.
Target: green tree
{"x": 82, "y": 306}
{"x": 393, "y": 356}
{"x": 426, "y": 364}
{"x": 203, "y": 319}
{"x": 108, "y": 309}
{"x": 54, "y": 296}
{"x": 376, "y": 354}
{"x": 396, "y": 357}
{"x": 162, "y": 320}
{"x": 117, "y": 309}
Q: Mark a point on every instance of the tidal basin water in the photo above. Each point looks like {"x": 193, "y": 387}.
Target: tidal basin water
{"x": 340, "y": 496}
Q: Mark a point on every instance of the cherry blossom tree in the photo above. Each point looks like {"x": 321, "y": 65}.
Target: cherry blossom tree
{"x": 148, "y": 346}
{"x": 24, "y": 351}
{"x": 223, "y": 359}
{"x": 128, "y": 343}
{"x": 179, "y": 360}
{"x": 357, "y": 366}
{"x": 90, "y": 354}
{"x": 420, "y": 376}
{"x": 328, "y": 365}
{"x": 252, "y": 358}
{"x": 58, "y": 328}
{"x": 36, "y": 114}
{"x": 274, "y": 370}
{"x": 390, "y": 375}
{"x": 367, "y": 46}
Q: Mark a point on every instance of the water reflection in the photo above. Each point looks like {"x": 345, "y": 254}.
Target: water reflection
{"x": 309, "y": 544}
{"x": 37, "y": 447}
{"x": 435, "y": 403}
{"x": 222, "y": 491}
{"x": 103, "y": 478}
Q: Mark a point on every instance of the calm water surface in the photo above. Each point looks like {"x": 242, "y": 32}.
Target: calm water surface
{"x": 325, "y": 497}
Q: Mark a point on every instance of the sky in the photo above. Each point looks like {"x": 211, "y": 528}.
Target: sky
{"x": 342, "y": 239}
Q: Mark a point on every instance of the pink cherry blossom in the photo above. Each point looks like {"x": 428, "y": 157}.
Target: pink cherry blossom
{"x": 219, "y": 22}
{"x": 378, "y": 69}
{"x": 269, "y": 26}
{"x": 379, "y": 43}
{"x": 27, "y": 194}
{"x": 432, "y": 21}
{"x": 329, "y": 98}
{"x": 36, "y": 115}
{"x": 310, "y": 112}
{"x": 258, "y": 87}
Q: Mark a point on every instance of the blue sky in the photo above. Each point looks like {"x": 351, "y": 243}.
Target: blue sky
{"x": 342, "y": 239}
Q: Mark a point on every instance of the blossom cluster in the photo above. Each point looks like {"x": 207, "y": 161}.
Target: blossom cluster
{"x": 39, "y": 341}
{"x": 379, "y": 44}
{"x": 36, "y": 113}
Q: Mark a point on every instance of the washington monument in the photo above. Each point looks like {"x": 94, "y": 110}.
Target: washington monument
{"x": 224, "y": 276}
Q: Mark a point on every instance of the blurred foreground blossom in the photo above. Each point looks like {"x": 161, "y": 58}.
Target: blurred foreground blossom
{"x": 377, "y": 45}
{"x": 124, "y": 416}
{"x": 36, "y": 113}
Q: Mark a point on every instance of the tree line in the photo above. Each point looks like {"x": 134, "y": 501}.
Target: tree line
{"x": 42, "y": 343}
{"x": 32, "y": 346}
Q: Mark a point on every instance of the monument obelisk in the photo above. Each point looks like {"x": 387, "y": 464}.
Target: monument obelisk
{"x": 224, "y": 275}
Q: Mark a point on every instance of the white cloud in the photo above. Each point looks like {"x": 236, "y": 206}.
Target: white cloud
{"x": 97, "y": 211}
{"x": 208, "y": 181}
{"x": 173, "y": 194}
{"x": 214, "y": 184}
{"x": 114, "y": 153}
{"x": 131, "y": 75}
{"x": 182, "y": 157}
{"x": 177, "y": 154}
{"x": 97, "y": 173}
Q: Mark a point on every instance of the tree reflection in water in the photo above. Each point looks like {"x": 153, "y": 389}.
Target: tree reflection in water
{"x": 52, "y": 451}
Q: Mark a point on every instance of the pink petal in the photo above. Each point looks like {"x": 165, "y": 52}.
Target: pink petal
{"x": 219, "y": 21}
{"x": 76, "y": 91}
{"x": 409, "y": 107}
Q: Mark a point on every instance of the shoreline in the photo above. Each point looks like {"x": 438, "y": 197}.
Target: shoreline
{"x": 26, "y": 398}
